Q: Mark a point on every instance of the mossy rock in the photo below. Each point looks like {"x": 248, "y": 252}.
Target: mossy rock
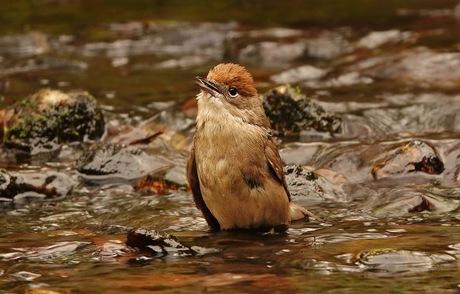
{"x": 291, "y": 112}
{"x": 49, "y": 118}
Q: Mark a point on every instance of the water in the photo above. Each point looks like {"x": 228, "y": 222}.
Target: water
{"x": 390, "y": 213}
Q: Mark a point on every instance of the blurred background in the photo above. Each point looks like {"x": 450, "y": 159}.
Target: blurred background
{"x": 130, "y": 54}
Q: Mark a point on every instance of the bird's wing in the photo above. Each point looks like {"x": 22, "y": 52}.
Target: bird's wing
{"x": 275, "y": 164}
{"x": 194, "y": 182}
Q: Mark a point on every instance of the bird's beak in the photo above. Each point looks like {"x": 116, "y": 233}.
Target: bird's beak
{"x": 208, "y": 86}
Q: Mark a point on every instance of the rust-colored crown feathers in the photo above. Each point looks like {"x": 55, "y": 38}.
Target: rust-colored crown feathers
{"x": 233, "y": 75}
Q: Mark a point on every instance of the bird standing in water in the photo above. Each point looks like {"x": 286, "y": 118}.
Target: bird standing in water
{"x": 234, "y": 168}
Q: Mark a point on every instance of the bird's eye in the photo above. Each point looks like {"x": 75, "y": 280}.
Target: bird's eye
{"x": 233, "y": 92}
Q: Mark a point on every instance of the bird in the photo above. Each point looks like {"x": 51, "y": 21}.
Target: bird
{"x": 234, "y": 169}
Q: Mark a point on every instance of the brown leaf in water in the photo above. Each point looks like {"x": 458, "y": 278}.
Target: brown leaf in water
{"x": 149, "y": 183}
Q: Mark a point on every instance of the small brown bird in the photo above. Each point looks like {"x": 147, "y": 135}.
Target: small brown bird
{"x": 234, "y": 168}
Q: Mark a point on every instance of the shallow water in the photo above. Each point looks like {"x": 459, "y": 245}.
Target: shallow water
{"x": 393, "y": 77}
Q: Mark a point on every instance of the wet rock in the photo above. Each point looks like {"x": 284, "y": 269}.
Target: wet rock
{"x": 301, "y": 73}
{"x": 344, "y": 80}
{"x": 392, "y": 261}
{"x": 415, "y": 118}
{"x": 308, "y": 187}
{"x": 328, "y": 45}
{"x": 290, "y": 111}
{"x": 50, "y": 118}
{"x": 377, "y": 39}
{"x": 157, "y": 243}
{"x": 420, "y": 66}
{"x": 183, "y": 62}
{"x": 413, "y": 156}
{"x": 59, "y": 251}
{"x": 344, "y": 158}
{"x": 26, "y": 45}
{"x": 404, "y": 201}
{"x": 173, "y": 126}
{"x": 301, "y": 184}
{"x": 20, "y": 187}
{"x": 300, "y": 153}
{"x": 174, "y": 39}
{"x": 129, "y": 135}
{"x": 272, "y": 53}
{"x": 109, "y": 162}
{"x": 177, "y": 176}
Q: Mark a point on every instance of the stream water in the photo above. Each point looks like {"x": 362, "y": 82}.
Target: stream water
{"x": 387, "y": 186}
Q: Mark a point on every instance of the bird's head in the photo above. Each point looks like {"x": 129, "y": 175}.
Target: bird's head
{"x": 230, "y": 87}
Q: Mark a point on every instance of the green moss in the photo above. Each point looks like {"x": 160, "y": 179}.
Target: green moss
{"x": 40, "y": 125}
{"x": 23, "y": 134}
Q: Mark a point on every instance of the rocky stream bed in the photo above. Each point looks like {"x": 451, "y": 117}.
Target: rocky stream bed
{"x": 97, "y": 126}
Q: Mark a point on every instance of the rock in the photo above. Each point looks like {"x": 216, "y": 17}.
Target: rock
{"x": 173, "y": 39}
{"x": 415, "y": 118}
{"x": 157, "y": 243}
{"x": 20, "y": 187}
{"x": 301, "y": 73}
{"x": 177, "y": 176}
{"x": 403, "y": 201}
{"x": 270, "y": 53}
{"x": 390, "y": 262}
{"x": 50, "y": 118}
{"x": 328, "y": 45}
{"x": 290, "y": 111}
{"x": 413, "y": 156}
{"x": 130, "y": 135}
{"x": 109, "y": 162}
{"x": 377, "y": 39}
{"x": 183, "y": 62}
{"x": 27, "y": 45}
{"x": 420, "y": 66}
{"x": 344, "y": 80}
{"x": 301, "y": 185}
{"x": 309, "y": 188}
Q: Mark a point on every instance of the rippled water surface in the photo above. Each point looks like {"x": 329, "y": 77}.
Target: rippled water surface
{"x": 386, "y": 187}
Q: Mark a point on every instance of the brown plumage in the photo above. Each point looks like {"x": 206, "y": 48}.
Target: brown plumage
{"x": 234, "y": 168}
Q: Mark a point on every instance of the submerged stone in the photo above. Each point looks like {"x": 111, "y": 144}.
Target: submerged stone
{"x": 49, "y": 118}
{"x": 157, "y": 243}
{"x": 420, "y": 66}
{"x": 290, "y": 111}
{"x": 392, "y": 261}
{"x": 20, "y": 187}
{"x": 404, "y": 201}
{"x": 413, "y": 156}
